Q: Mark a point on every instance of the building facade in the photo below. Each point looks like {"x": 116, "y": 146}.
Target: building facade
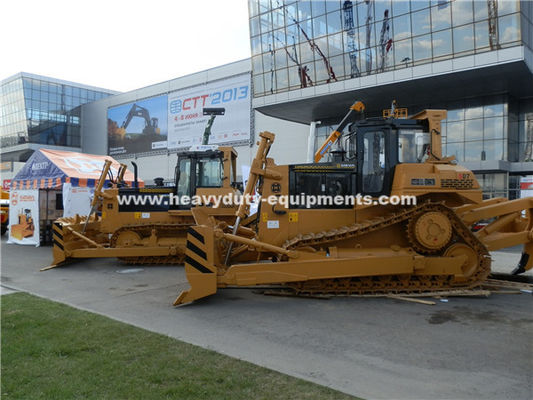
{"x": 180, "y": 102}
{"x": 38, "y": 111}
{"x": 312, "y": 59}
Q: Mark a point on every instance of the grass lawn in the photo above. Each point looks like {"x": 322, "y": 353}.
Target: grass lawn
{"x": 53, "y": 351}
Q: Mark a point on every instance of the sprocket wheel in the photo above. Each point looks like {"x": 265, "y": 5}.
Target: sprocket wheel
{"x": 429, "y": 232}
{"x": 127, "y": 238}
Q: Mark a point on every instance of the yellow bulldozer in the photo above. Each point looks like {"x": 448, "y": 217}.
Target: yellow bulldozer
{"x": 148, "y": 225}
{"x": 353, "y": 241}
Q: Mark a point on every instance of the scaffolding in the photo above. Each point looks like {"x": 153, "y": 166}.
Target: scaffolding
{"x": 314, "y": 47}
{"x": 369, "y": 4}
{"x": 385, "y": 42}
{"x": 351, "y": 44}
{"x": 493, "y": 24}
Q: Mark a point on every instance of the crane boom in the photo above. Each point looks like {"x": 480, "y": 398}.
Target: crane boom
{"x": 358, "y": 106}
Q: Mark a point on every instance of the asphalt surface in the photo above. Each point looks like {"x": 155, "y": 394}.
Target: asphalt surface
{"x": 466, "y": 348}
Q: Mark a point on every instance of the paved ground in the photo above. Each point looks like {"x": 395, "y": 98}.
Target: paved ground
{"x": 4, "y": 290}
{"x": 374, "y": 348}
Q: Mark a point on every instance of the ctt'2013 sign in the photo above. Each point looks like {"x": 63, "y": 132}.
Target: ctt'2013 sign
{"x": 213, "y": 113}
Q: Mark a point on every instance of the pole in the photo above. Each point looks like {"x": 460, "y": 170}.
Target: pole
{"x": 46, "y": 220}
{"x": 97, "y": 191}
{"x": 311, "y": 141}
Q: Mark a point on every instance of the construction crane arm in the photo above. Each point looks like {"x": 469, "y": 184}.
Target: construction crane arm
{"x": 136, "y": 111}
{"x": 358, "y": 106}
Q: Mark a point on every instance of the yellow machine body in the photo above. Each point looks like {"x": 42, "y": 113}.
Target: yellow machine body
{"x": 144, "y": 234}
{"x": 363, "y": 248}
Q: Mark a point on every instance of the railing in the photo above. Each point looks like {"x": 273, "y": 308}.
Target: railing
{"x": 13, "y": 140}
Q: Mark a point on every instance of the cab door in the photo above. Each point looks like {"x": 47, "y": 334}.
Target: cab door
{"x": 374, "y": 160}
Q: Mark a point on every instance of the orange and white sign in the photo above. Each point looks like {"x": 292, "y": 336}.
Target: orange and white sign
{"x": 24, "y": 217}
{"x": 79, "y": 165}
{"x": 526, "y": 186}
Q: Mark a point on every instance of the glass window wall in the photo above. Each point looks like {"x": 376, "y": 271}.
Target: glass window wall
{"x": 374, "y": 36}
{"x": 476, "y": 129}
{"x": 38, "y": 111}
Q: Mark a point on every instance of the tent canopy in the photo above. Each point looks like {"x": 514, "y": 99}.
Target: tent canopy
{"x": 49, "y": 169}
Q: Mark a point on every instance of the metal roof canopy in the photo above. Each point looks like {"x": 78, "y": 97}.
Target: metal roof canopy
{"x": 513, "y": 78}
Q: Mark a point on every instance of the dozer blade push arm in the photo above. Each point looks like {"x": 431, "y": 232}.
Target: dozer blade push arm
{"x": 99, "y": 186}
{"x": 98, "y": 191}
{"x": 358, "y": 106}
{"x": 121, "y": 172}
{"x": 257, "y": 169}
{"x": 509, "y": 226}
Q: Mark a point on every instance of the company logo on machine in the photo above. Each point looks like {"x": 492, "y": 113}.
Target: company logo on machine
{"x": 276, "y": 188}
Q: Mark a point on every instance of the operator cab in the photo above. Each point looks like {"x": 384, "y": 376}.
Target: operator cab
{"x": 374, "y": 147}
{"x": 198, "y": 169}
{"x": 378, "y": 145}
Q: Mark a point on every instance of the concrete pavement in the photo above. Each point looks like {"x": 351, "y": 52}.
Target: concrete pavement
{"x": 468, "y": 348}
{"x": 5, "y": 290}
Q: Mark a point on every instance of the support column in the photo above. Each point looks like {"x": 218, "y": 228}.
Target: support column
{"x": 311, "y": 141}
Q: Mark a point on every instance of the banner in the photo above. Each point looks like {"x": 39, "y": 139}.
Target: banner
{"x": 526, "y": 186}
{"x": 24, "y": 217}
{"x": 138, "y": 127}
{"x": 76, "y": 200}
{"x": 213, "y": 113}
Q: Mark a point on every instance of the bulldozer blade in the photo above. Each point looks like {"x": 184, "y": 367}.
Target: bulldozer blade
{"x": 202, "y": 285}
{"x": 66, "y": 239}
{"x": 199, "y": 265}
{"x": 59, "y": 246}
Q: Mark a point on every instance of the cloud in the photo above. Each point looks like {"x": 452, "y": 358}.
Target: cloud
{"x": 510, "y": 34}
{"x": 122, "y": 45}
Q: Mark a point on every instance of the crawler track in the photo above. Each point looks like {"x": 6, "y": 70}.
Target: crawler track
{"x": 161, "y": 230}
{"x": 393, "y": 283}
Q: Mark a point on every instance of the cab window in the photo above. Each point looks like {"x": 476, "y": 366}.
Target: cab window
{"x": 373, "y": 161}
{"x": 185, "y": 178}
{"x": 413, "y": 146}
{"x": 209, "y": 172}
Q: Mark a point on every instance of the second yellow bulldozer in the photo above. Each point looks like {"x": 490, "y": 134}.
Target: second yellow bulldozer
{"x": 365, "y": 246}
{"x": 148, "y": 225}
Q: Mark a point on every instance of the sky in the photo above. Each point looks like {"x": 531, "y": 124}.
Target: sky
{"x": 121, "y": 44}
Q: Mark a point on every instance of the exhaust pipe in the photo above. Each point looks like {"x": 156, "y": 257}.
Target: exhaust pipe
{"x": 135, "y": 179}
